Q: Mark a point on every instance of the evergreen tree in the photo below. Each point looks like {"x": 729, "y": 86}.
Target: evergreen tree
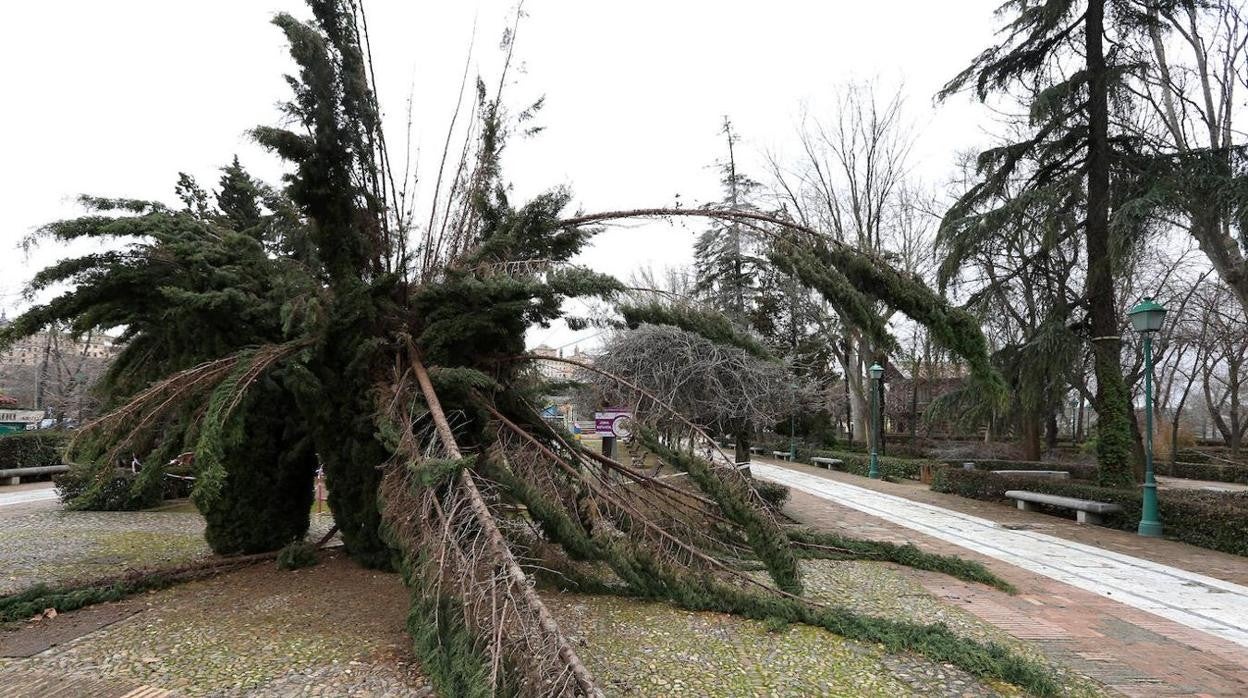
{"x": 416, "y": 392}
{"x": 1055, "y": 49}
{"x": 726, "y": 263}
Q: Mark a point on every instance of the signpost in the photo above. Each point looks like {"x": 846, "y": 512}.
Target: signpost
{"x": 611, "y": 424}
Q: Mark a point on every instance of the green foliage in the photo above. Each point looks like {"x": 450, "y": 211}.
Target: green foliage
{"x": 102, "y": 487}
{"x": 1214, "y": 520}
{"x": 36, "y": 599}
{"x": 738, "y": 504}
{"x": 851, "y": 281}
{"x": 773, "y": 494}
{"x": 1113, "y": 428}
{"x": 434, "y": 472}
{"x": 265, "y": 493}
{"x": 727, "y": 258}
{"x": 708, "y": 323}
{"x": 30, "y": 449}
{"x": 296, "y": 555}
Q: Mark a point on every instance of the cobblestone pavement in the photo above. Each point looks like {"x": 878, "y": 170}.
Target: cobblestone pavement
{"x": 337, "y": 630}
{"x": 331, "y": 630}
{"x": 1132, "y": 651}
{"x": 648, "y": 649}
{"x": 50, "y": 545}
{"x": 43, "y": 543}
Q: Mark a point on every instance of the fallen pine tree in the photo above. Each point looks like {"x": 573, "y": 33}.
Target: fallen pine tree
{"x": 323, "y": 321}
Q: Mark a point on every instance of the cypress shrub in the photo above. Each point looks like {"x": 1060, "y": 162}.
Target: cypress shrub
{"x": 1213, "y": 520}
{"x": 266, "y": 497}
{"x": 32, "y": 449}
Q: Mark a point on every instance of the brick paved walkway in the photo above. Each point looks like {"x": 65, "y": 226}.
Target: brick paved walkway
{"x": 1130, "y": 650}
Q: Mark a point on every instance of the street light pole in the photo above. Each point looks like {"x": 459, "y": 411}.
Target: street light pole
{"x": 1150, "y": 517}
{"x": 1147, "y": 318}
{"x": 876, "y": 372}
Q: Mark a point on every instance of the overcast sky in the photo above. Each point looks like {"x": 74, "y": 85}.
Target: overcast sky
{"x": 115, "y": 98}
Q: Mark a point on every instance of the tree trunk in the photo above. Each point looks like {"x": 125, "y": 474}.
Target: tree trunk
{"x": 1113, "y": 403}
{"x": 742, "y": 439}
{"x": 1030, "y": 428}
{"x": 1077, "y": 436}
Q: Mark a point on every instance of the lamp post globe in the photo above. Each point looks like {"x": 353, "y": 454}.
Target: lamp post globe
{"x": 876, "y": 372}
{"x": 1147, "y": 318}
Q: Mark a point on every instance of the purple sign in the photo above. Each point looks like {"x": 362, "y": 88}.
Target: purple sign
{"x": 611, "y": 422}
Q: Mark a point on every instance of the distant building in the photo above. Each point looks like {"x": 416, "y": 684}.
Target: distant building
{"x": 559, "y": 370}
{"x": 52, "y": 371}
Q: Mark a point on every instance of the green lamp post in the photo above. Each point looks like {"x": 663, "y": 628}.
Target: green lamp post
{"x": 877, "y": 372}
{"x": 1147, "y": 318}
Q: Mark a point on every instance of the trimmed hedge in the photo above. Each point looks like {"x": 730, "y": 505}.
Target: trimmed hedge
{"x": 1214, "y": 520}
{"x": 31, "y": 449}
{"x": 860, "y": 464}
{"x": 1078, "y": 471}
{"x": 1213, "y": 472}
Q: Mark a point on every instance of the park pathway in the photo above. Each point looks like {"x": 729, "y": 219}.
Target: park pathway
{"x": 1211, "y": 605}
{"x": 27, "y": 494}
{"x": 1100, "y": 601}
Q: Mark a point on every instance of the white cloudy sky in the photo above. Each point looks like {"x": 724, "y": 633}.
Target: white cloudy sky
{"x": 117, "y": 97}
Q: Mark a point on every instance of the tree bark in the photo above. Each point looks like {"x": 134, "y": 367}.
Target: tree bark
{"x": 1114, "y": 433}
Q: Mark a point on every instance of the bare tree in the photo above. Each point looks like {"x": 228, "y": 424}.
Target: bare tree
{"x": 1197, "y": 55}
{"x": 1224, "y": 365}
{"x": 852, "y": 182}
{"x": 717, "y": 386}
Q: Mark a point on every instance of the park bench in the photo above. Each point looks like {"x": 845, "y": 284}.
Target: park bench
{"x": 756, "y": 449}
{"x": 829, "y": 463}
{"x": 1051, "y": 474}
{"x": 782, "y": 455}
{"x": 13, "y": 476}
{"x": 1087, "y": 511}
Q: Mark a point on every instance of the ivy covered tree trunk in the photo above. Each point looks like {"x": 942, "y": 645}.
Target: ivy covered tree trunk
{"x": 1114, "y": 453}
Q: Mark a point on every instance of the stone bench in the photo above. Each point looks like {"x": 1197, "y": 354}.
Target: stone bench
{"x": 1052, "y": 474}
{"x": 1087, "y": 511}
{"x": 827, "y": 462}
{"x": 782, "y": 455}
{"x": 13, "y": 476}
{"x": 756, "y": 449}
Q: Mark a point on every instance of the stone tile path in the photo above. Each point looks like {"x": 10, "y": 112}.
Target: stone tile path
{"x": 1132, "y": 651}
{"x": 1205, "y": 603}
